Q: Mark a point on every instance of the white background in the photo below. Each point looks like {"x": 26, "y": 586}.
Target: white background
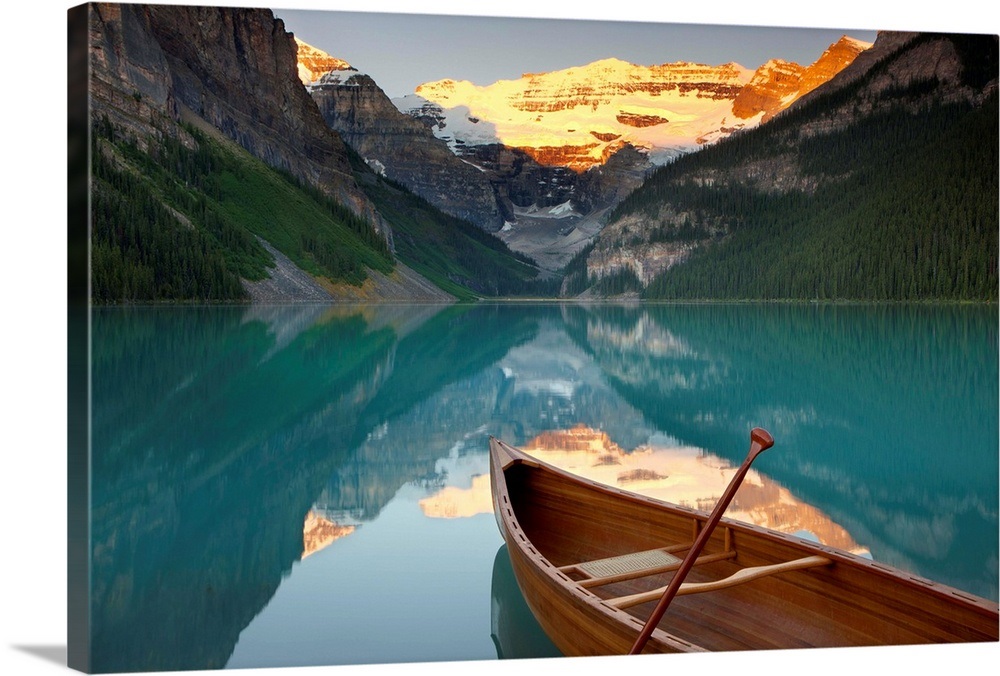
{"x": 33, "y": 283}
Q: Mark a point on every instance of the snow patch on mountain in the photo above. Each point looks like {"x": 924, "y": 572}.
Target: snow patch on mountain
{"x": 340, "y": 78}
{"x": 860, "y": 45}
{"x": 376, "y": 166}
{"x": 455, "y": 126}
{"x": 559, "y": 211}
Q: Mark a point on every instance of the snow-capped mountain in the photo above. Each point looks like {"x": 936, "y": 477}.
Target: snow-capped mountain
{"x": 541, "y": 159}
{"x": 393, "y": 144}
{"x": 314, "y": 63}
{"x": 579, "y": 117}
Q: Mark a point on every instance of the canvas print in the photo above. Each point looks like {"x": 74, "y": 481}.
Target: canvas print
{"x": 402, "y": 338}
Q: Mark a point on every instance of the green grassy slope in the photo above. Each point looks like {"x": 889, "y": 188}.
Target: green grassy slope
{"x": 176, "y": 223}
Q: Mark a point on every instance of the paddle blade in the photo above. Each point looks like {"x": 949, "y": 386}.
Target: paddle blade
{"x": 760, "y": 440}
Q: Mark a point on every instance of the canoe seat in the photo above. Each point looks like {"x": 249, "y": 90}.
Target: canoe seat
{"x": 599, "y": 572}
{"x": 627, "y": 563}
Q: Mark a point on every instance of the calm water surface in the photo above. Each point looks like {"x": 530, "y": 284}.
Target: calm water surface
{"x": 309, "y": 485}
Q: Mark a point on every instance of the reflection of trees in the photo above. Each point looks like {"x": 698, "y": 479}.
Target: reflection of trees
{"x": 214, "y": 432}
{"x": 870, "y": 407}
{"x": 455, "y": 344}
{"x": 207, "y": 453}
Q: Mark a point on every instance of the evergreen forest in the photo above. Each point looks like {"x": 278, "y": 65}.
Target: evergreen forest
{"x": 174, "y": 223}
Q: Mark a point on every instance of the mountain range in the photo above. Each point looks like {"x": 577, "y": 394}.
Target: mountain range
{"x": 232, "y": 161}
{"x": 553, "y": 150}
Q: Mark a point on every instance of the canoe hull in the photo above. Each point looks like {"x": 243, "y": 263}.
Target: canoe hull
{"x": 573, "y": 622}
{"x": 577, "y": 622}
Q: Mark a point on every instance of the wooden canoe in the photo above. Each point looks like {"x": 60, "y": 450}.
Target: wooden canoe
{"x": 592, "y": 561}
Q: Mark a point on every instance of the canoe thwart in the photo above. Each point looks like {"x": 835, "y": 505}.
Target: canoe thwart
{"x": 739, "y": 577}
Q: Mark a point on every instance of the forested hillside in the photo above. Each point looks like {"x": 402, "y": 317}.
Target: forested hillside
{"x": 208, "y": 169}
{"x": 173, "y": 222}
{"x": 846, "y": 197}
{"x": 451, "y": 252}
{"x": 180, "y": 223}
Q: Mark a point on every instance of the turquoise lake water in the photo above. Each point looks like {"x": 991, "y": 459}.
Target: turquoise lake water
{"x": 297, "y": 485}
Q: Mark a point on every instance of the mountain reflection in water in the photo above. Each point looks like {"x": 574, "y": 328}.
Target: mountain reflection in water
{"x": 663, "y": 470}
{"x": 272, "y": 486}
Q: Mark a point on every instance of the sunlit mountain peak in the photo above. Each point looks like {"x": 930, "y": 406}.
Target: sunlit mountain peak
{"x": 579, "y": 117}
{"x": 314, "y": 63}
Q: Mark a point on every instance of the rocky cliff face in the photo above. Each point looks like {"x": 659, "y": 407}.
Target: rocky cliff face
{"x": 835, "y": 59}
{"x": 768, "y": 90}
{"x": 129, "y": 75}
{"x": 896, "y": 62}
{"x": 778, "y": 84}
{"x": 234, "y": 70}
{"x": 402, "y": 148}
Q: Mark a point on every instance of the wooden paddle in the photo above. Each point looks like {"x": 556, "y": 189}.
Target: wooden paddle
{"x": 760, "y": 440}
